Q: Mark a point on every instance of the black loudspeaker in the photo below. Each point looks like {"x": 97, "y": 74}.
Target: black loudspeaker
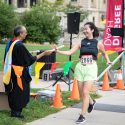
{"x": 117, "y": 32}
{"x": 48, "y": 60}
{"x": 73, "y": 20}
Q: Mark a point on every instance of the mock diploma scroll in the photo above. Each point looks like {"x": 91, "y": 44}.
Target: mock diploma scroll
{"x": 37, "y": 51}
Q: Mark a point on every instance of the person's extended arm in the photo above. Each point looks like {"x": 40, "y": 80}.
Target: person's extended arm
{"x": 26, "y": 58}
{"x": 71, "y": 51}
{"x": 45, "y": 53}
{"x": 101, "y": 48}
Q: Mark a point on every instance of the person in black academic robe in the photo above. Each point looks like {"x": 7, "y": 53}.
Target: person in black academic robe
{"x": 18, "y": 98}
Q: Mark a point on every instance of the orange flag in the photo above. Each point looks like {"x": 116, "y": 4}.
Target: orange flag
{"x": 18, "y": 72}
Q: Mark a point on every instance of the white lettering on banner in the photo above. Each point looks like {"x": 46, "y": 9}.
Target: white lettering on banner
{"x": 116, "y": 41}
{"x": 117, "y": 23}
{"x": 118, "y": 7}
{"x": 117, "y": 13}
{"x": 108, "y": 33}
{"x": 107, "y": 40}
{"x": 117, "y": 20}
{"x": 114, "y": 19}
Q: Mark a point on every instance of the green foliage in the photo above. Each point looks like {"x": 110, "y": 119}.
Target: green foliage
{"x": 42, "y": 24}
{"x": 8, "y": 19}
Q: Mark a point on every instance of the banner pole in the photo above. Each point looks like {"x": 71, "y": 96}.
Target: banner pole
{"x": 110, "y": 66}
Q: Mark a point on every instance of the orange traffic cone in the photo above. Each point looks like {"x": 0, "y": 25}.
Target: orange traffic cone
{"x": 58, "y": 98}
{"x": 75, "y": 91}
{"x": 119, "y": 84}
{"x": 105, "y": 84}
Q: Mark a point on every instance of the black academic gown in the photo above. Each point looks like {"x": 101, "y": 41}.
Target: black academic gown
{"x": 18, "y": 98}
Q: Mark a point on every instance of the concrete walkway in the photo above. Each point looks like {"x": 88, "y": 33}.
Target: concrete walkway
{"x": 109, "y": 110}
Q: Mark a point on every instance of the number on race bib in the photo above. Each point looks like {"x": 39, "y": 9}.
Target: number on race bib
{"x": 86, "y": 59}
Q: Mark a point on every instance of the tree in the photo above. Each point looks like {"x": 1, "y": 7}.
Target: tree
{"x": 42, "y": 24}
{"x": 8, "y": 20}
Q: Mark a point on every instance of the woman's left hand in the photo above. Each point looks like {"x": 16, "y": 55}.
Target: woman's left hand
{"x": 108, "y": 63}
{"x": 55, "y": 47}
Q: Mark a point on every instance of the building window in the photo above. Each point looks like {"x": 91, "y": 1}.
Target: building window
{"x": 104, "y": 1}
{"x": 10, "y": 1}
{"x": 93, "y": 3}
{"x": 22, "y": 3}
{"x": 33, "y": 2}
{"x": 102, "y": 17}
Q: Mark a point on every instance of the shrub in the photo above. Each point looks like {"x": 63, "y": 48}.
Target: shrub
{"x": 8, "y": 20}
{"x": 42, "y": 24}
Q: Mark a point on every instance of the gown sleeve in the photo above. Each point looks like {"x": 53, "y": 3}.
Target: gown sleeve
{"x": 21, "y": 56}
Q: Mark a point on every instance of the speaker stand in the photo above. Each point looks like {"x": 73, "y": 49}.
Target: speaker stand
{"x": 70, "y": 58}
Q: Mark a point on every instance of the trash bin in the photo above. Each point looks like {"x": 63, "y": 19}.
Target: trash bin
{"x": 47, "y": 59}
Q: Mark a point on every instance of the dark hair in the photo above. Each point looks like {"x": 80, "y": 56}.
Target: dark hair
{"x": 93, "y": 27}
{"x": 18, "y": 30}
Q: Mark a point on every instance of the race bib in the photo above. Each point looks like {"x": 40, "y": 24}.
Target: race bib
{"x": 86, "y": 59}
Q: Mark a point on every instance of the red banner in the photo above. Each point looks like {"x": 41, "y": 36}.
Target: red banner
{"x": 114, "y": 19}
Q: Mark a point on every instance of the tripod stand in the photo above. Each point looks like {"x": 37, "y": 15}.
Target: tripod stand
{"x": 65, "y": 78}
{"x": 68, "y": 76}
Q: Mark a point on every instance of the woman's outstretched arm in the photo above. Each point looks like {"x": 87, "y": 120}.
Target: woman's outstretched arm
{"x": 71, "y": 51}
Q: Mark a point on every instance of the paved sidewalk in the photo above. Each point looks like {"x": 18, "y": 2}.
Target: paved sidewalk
{"x": 109, "y": 110}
